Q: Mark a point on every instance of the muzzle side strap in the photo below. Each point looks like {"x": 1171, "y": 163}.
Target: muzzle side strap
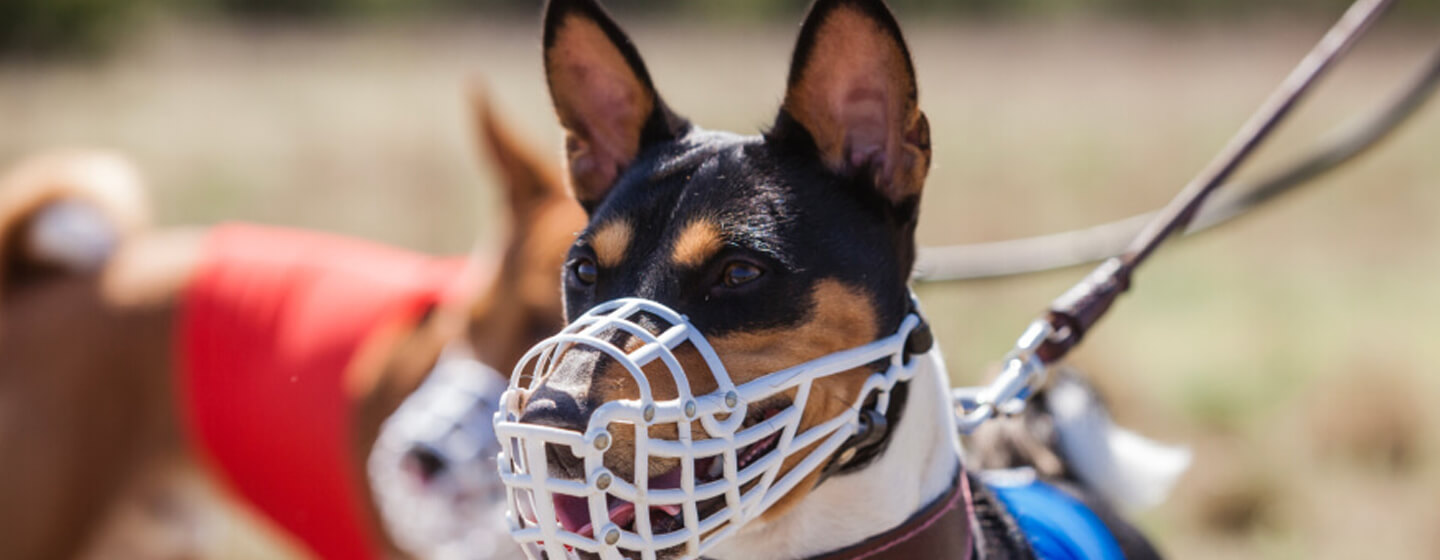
{"x": 870, "y": 441}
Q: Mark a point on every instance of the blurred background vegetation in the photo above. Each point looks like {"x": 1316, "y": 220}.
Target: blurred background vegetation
{"x": 88, "y": 27}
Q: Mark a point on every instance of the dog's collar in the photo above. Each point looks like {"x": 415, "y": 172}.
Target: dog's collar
{"x": 941, "y": 530}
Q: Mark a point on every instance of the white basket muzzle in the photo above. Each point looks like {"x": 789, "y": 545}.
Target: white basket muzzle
{"x": 730, "y": 455}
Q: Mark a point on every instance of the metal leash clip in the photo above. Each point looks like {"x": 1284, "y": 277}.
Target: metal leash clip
{"x": 1023, "y": 373}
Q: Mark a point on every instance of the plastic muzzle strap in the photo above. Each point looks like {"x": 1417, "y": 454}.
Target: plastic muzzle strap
{"x": 729, "y": 470}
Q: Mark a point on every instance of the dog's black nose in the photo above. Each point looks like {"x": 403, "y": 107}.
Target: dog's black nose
{"x": 556, "y": 408}
{"x": 426, "y": 462}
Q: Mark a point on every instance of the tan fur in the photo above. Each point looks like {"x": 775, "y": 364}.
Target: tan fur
{"x": 85, "y": 386}
{"x": 603, "y": 125}
{"x": 841, "y": 318}
{"x": 699, "y": 241}
{"x": 856, "y": 63}
{"x": 87, "y": 407}
{"x": 611, "y": 240}
{"x": 523, "y": 304}
{"x": 104, "y": 180}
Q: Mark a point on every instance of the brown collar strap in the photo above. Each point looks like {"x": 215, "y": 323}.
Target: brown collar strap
{"x": 941, "y": 531}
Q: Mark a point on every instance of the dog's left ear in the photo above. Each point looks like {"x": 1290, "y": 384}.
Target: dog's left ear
{"x": 852, "y": 91}
{"x": 603, "y": 96}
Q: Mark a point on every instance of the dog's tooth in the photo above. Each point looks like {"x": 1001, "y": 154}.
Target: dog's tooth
{"x": 717, "y": 466}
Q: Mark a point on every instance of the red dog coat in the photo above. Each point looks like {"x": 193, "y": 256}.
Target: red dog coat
{"x": 268, "y": 327}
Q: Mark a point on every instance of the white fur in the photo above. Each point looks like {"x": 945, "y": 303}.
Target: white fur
{"x": 1125, "y": 467}
{"x": 73, "y": 234}
{"x": 459, "y": 514}
{"x": 920, "y": 464}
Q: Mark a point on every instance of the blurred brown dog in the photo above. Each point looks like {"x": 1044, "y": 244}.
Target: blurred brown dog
{"x": 90, "y": 303}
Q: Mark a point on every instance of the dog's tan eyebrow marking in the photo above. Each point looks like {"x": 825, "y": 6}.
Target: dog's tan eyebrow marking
{"x": 611, "y": 240}
{"x": 699, "y": 241}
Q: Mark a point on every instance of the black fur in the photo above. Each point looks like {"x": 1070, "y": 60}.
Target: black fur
{"x": 776, "y": 207}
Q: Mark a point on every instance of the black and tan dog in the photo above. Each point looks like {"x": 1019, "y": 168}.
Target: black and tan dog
{"x": 780, "y": 248}
{"x": 101, "y": 327}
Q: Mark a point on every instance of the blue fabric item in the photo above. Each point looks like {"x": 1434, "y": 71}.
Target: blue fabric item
{"x": 1058, "y": 526}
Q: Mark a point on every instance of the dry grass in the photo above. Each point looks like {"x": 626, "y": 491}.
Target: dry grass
{"x": 1258, "y": 344}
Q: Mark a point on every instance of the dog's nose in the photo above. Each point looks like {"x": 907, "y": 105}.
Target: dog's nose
{"x": 425, "y": 462}
{"x": 557, "y": 408}
{"x": 549, "y": 406}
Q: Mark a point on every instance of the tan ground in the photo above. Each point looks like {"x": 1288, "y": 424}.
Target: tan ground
{"x": 1295, "y": 351}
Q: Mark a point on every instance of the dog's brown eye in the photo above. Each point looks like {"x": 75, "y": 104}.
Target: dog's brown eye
{"x": 738, "y": 273}
{"x": 585, "y": 271}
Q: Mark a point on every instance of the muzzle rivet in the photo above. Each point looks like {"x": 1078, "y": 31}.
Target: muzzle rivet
{"x": 649, "y": 412}
{"x": 602, "y": 482}
{"x": 602, "y": 441}
{"x": 690, "y": 409}
{"x": 732, "y": 399}
{"x": 612, "y": 536}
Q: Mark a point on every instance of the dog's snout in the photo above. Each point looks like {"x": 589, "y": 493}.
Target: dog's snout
{"x": 426, "y": 463}
{"x": 556, "y": 408}
{"x": 549, "y": 406}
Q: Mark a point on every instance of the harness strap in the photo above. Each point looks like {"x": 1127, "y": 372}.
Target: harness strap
{"x": 938, "y": 531}
{"x": 1057, "y": 525}
{"x": 998, "y": 533}
{"x": 1073, "y": 313}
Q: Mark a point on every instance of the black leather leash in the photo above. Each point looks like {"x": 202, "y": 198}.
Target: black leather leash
{"x": 1099, "y": 242}
{"x": 1073, "y": 313}
{"x": 1076, "y": 311}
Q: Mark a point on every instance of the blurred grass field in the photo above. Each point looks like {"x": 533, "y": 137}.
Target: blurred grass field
{"x": 1294, "y": 350}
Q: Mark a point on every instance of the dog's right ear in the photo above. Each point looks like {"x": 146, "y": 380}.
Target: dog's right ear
{"x": 603, "y": 96}
{"x": 852, "y": 97}
{"x": 529, "y": 181}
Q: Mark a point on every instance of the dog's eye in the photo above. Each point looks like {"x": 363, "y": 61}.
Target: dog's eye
{"x": 584, "y": 271}
{"x": 738, "y": 273}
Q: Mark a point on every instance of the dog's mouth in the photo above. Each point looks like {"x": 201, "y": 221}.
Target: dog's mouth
{"x": 573, "y": 513}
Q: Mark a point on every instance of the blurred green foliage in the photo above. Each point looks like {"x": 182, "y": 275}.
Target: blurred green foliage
{"x": 46, "y": 26}
{"x": 38, "y": 27}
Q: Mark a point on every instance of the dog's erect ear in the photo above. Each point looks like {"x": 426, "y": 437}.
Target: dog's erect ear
{"x": 603, "y": 95}
{"x": 852, "y": 89}
{"x": 529, "y": 181}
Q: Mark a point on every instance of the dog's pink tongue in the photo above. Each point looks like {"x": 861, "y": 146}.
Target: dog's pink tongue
{"x": 574, "y": 514}
{"x": 664, "y": 482}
